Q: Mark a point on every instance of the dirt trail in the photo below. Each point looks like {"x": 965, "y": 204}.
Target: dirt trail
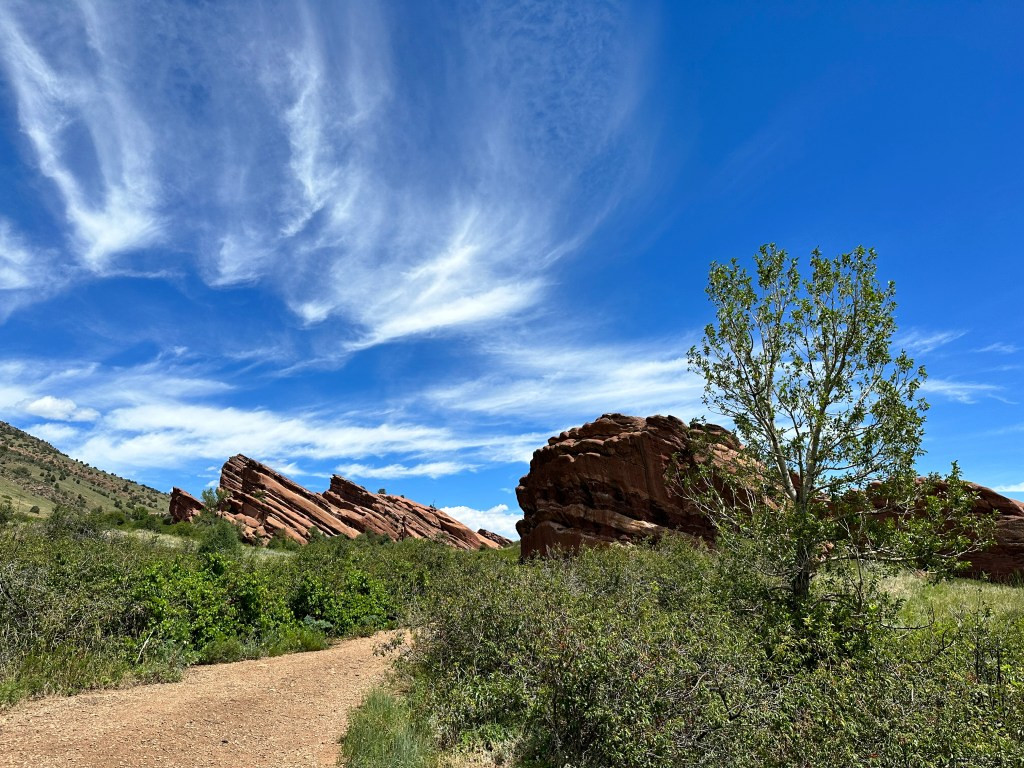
{"x": 284, "y": 712}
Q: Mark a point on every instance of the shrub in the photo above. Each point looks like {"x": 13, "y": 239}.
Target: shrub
{"x": 220, "y": 536}
{"x": 668, "y": 656}
{"x": 282, "y": 541}
{"x": 65, "y": 522}
{"x": 353, "y": 603}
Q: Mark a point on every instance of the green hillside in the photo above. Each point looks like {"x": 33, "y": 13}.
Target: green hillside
{"x": 35, "y": 474}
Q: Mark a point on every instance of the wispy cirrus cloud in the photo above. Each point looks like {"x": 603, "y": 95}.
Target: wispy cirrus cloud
{"x": 1001, "y": 348}
{"x": 403, "y": 242}
{"x": 296, "y": 149}
{"x": 961, "y": 391}
{"x": 921, "y": 342}
{"x": 88, "y": 138}
{"x": 1014, "y": 488}
{"x": 18, "y": 264}
{"x": 573, "y": 382}
{"x": 27, "y": 274}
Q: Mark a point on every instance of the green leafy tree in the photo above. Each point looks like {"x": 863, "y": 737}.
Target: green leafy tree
{"x": 832, "y": 422}
{"x": 214, "y": 499}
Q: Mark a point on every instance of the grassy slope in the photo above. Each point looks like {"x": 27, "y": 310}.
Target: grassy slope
{"x": 34, "y": 473}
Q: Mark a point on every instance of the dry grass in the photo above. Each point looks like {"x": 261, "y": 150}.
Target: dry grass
{"x": 924, "y": 601}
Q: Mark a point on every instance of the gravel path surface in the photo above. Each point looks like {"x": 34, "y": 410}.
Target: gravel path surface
{"x": 283, "y": 712}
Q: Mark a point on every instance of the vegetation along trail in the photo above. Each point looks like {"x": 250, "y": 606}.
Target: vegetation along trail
{"x": 273, "y": 712}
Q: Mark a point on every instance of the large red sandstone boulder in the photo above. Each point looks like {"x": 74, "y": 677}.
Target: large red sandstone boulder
{"x": 606, "y": 481}
{"x": 263, "y": 502}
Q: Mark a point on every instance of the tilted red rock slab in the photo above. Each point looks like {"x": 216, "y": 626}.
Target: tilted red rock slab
{"x": 262, "y": 501}
{"x": 497, "y": 538}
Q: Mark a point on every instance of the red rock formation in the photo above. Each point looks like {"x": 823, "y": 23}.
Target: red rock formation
{"x": 1005, "y": 557}
{"x": 263, "y": 502}
{"x": 605, "y": 481}
{"x": 497, "y": 538}
{"x": 184, "y": 506}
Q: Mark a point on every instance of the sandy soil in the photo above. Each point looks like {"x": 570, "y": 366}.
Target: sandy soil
{"x": 283, "y": 712}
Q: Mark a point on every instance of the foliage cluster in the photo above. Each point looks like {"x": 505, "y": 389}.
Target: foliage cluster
{"x": 831, "y": 422}
{"x": 670, "y": 656}
{"x": 84, "y": 607}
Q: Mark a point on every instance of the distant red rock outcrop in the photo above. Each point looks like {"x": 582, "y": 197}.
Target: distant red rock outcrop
{"x": 184, "y": 506}
{"x": 263, "y": 502}
{"x": 1006, "y": 556}
{"x": 497, "y": 538}
{"x": 606, "y": 481}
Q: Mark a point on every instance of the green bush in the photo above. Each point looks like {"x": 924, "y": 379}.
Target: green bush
{"x": 669, "y": 656}
{"x": 353, "y": 603}
{"x": 280, "y": 540}
{"x": 82, "y": 608}
{"x": 220, "y": 536}
{"x": 65, "y": 522}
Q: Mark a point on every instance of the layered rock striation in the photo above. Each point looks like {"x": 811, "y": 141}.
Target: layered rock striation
{"x": 263, "y": 503}
{"x": 606, "y": 481}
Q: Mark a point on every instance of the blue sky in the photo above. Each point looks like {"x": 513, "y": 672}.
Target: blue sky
{"x": 407, "y": 242}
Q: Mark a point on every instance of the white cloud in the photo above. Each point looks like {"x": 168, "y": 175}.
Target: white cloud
{"x": 572, "y": 382}
{"x": 18, "y": 266}
{"x": 143, "y": 417}
{"x": 303, "y": 148}
{"x": 961, "y": 391}
{"x": 1016, "y": 488}
{"x": 404, "y": 232}
{"x": 290, "y": 469}
{"x": 921, "y": 342}
{"x": 1000, "y": 348}
{"x": 59, "y": 409}
{"x": 55, "y": 433}
{"x": 88, "y": 138}
{"x": 27, "y": 274}
{"x": 432, "y": 469}
{"x": 498, "y": 518}
{"x": 170, "y": 433}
